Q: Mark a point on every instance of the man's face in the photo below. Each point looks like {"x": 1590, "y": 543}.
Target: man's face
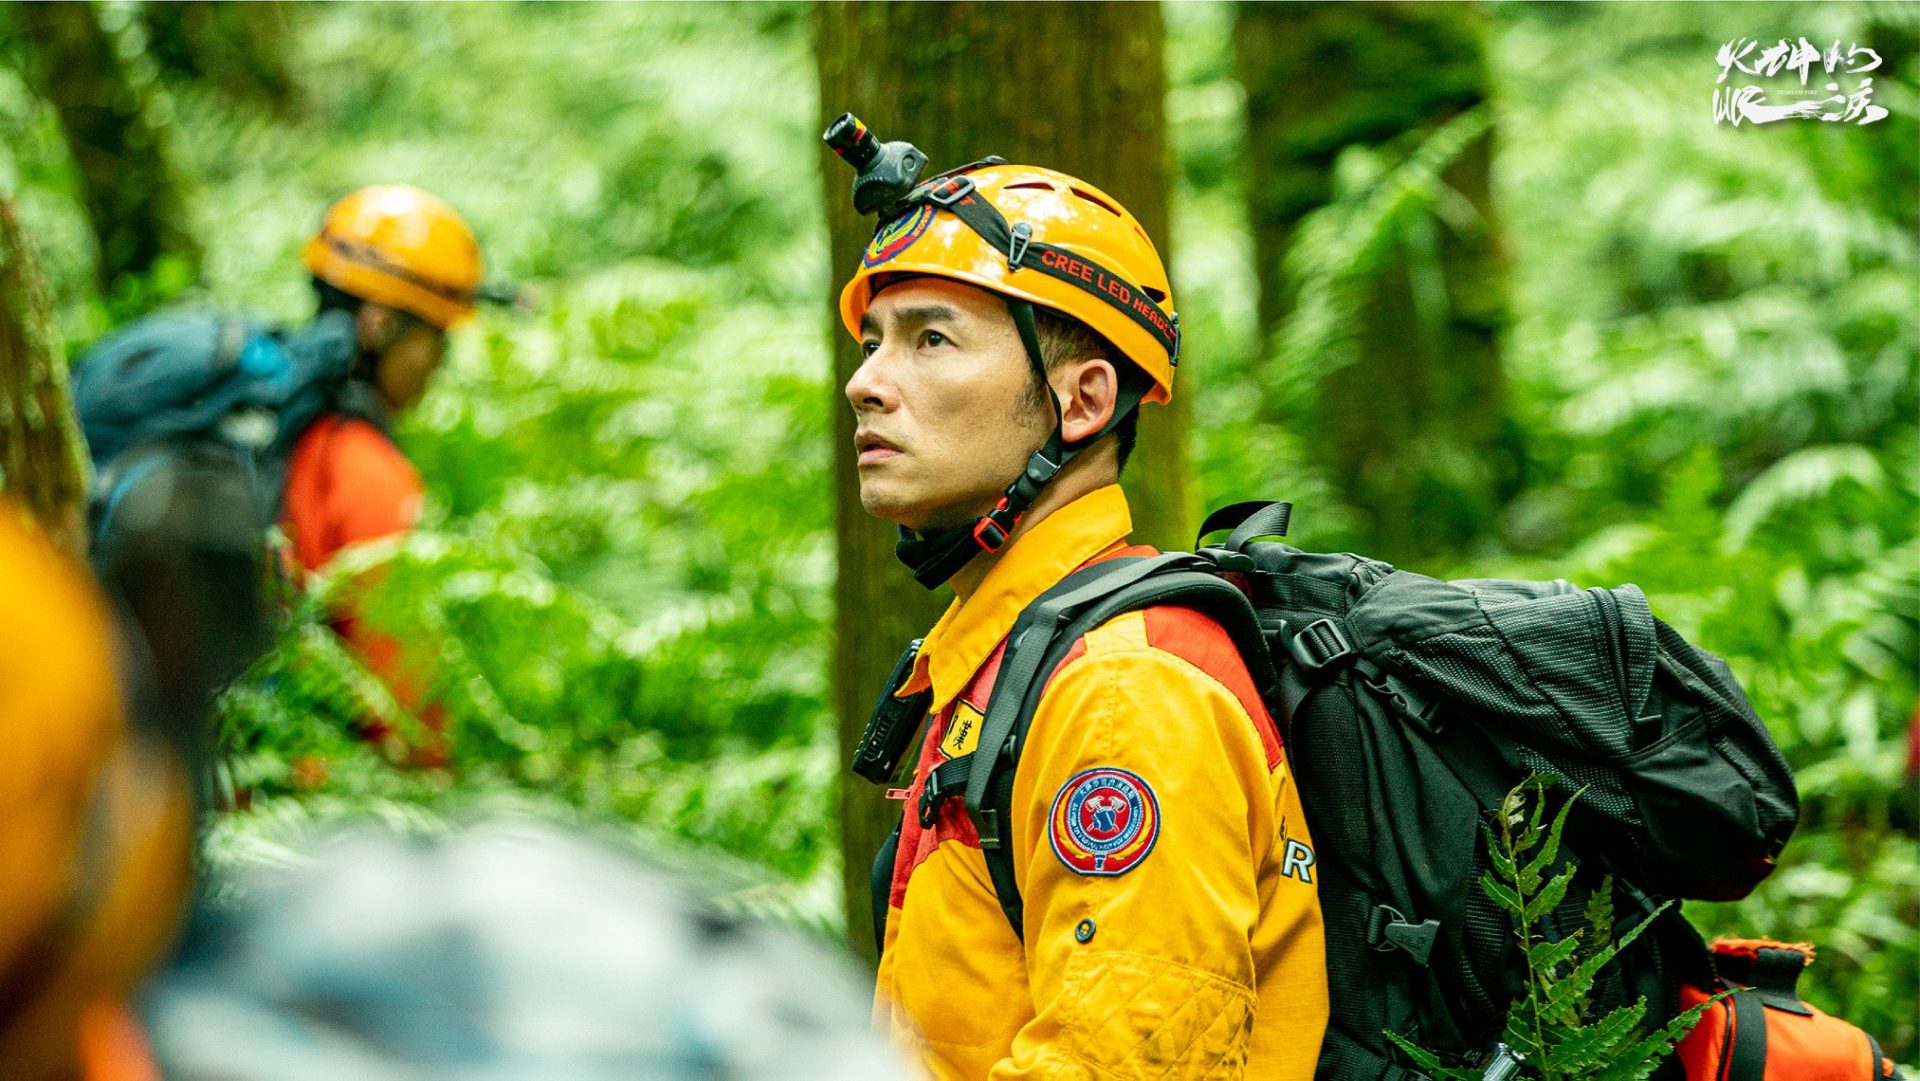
{"x": 408, "y": 352}
{"x": 944, "y": 412}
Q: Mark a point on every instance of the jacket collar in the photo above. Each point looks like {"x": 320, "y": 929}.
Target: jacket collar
{"x": 1088, "y": 527}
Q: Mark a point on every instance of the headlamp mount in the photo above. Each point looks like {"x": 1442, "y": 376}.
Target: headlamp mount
{"x": 884, "y": 173}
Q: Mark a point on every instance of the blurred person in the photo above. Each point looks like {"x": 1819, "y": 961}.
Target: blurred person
{"x": 505, "y": 951}
{"x": 306, "y": 412}
{"x": 1012, "y": 319}
{"x": 96, "y": 827}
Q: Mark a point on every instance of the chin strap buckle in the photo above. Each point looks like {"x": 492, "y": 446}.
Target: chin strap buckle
{"x": 991, "y": 532}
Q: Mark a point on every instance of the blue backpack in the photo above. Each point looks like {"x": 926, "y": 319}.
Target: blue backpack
{"x": 226, "y": 394}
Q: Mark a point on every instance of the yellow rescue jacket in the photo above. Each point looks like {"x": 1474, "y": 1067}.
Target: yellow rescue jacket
{"x": 1171, "y": 924}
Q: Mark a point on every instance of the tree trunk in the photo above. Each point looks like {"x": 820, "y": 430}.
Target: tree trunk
{"x": 1414, "y": 432}
{"x": 237, "y": 48}
{"x": 139, "y": 219}
{"x": 41, "y": 453}
{"x": 1077, "y": 87}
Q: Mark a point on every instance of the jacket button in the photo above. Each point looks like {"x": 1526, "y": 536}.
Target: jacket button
{"x": 1083, "y": 931}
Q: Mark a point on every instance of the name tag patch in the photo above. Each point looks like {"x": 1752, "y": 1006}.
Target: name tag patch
{"x": 1104, "y": 821}
{"x": 963, "y": 732}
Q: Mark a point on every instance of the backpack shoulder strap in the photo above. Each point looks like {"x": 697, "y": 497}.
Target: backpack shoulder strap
{"x": 1041, "y": 639}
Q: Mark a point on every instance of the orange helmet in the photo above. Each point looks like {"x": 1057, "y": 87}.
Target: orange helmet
{"x": 1070, "y": 247}
{"x": 397, "y": 245}
{"x": 96, "y": 815}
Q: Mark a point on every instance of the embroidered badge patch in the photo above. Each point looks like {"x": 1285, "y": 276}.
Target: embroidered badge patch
{"x": 1104, "y": 822}
{"x": 897, "y": 235}
{"x": 963, "y": 732}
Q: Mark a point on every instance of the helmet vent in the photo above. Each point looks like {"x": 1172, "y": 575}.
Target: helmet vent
{"x": 1158, "y": 296}
{"x": 1040, "y": 185}
{"x": 1096, "y": 201}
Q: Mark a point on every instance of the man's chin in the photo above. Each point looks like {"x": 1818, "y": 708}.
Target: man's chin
{"x": 914, "y": 515}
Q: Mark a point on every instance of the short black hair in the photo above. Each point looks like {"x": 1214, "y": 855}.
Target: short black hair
{"x": 335, "y": 299}
{"x": 1064, "y": 338}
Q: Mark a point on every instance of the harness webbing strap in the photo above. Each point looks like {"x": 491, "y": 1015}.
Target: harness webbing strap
{"x": 880, "y": 882}
{"x": 1040, "y": 640}
{"x": 1747, "y": 1059}
{"x": 1343, "y": 1057}
{"x": 956, "y": 195}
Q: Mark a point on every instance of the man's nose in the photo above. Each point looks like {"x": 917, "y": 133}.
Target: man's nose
{"x": 869, "y": 388}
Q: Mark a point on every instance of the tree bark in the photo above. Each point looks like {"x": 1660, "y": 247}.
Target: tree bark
{"x": 128, "y": 188}
{"x": 237, "y": 48}
{"x": 1073, "y": 86}
{"x": 41, "y": 453}
{"x": 1415, "y": 431}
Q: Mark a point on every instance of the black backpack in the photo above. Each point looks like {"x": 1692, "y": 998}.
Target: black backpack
{"x": 207, "y": 393}
{"x": 1409, "y": 708}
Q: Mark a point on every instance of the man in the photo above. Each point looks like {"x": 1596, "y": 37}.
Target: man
{"x": 185, "y": 401}
{"x": 96, "y": 823}
{"x": 1012, "y": 318}
{"x": 403, "y": 267}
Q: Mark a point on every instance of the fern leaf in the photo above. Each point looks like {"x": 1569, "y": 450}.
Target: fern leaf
{"x": 1599, "y": 916}
{"x": 1551, "y": 850}
{"x": 1549, "y": 897}
{"x": 1547, "y": 957}
{"x": 1501, "y": 895}
{"x": 1638, "y": 1062}
{"x": 1589, "y": 1046}
{"x": 1421, "y": 1057}
{"x": 1577, "y": 984}
{"x": 1430, "y": 1062}
{"x": 1497, "y": 856}
{"x": 1518, "y": 1035}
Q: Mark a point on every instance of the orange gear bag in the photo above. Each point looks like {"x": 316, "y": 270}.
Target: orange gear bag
{"x": 1763, "y": 1031}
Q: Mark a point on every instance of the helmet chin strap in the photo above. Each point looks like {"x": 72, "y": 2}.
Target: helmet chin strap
{"x": 937, "y": 555}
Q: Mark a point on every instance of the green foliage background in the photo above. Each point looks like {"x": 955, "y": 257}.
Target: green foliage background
{"x": 628, "y": 556}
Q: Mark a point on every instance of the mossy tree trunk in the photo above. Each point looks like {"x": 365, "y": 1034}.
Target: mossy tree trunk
{"x": 1077, "y": 87}
{"x": 239, "y": 49}
{"x": 41, "y": 453}
{"x": 126, "y": 182}
{"x": 1414, "y": 432}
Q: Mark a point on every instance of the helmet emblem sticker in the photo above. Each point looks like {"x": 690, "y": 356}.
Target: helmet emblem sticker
{"x": 1104, "y": 822}
{"x": 897, "y": 235}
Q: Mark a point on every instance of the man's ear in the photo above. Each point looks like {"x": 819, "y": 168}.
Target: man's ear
{"x": 1087, "y": 390}
{"x": 377, "y": 326}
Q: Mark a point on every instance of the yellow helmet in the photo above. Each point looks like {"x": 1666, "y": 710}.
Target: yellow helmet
{"x": 96, "y": 818}
{"x": 396, "y": 245}
{"x": 1059, "y": 242}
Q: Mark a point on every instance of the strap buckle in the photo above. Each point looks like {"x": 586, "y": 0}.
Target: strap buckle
{"x": 1319, "y": 645}
{"x": 939, "y": 787}
{"x": 1388, "y": 930}
{"x": 1017, "y": 247}
{"x": 989, "y": 533}
{"x": 947, "y": 192}
{"x": 986, "y": 822}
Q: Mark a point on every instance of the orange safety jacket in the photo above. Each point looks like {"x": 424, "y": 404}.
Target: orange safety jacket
{"x": 1172, "y": 928}
{"x": 113, "y": 1047}
{"x": 346, "y": 484}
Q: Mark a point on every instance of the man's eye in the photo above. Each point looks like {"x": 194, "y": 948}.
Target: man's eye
{"x": 934, "y": 337}
{"x": 869, "y": 348}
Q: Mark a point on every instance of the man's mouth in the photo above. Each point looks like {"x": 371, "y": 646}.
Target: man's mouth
{"x": 872, "y": 448}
